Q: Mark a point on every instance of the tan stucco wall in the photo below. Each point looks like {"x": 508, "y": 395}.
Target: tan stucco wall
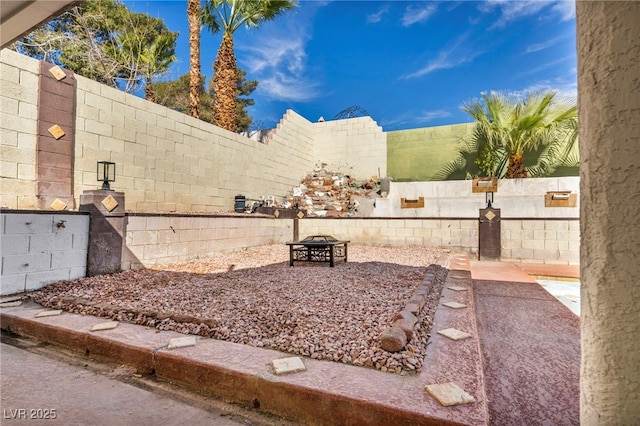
{"x": 609, "y": 117}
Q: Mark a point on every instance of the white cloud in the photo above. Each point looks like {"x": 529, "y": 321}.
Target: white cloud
{"x": 277, "y": 52}
{"x": 377, "y": 17}
{"x": 413, "y": 15}
{"x": 543, "y": 67}
{"x": 565, "y": 86}
{"x": 284, "y": 87}
{"x": 566, "y": 9}
{"x": 278, "y": 58}
{"x": 410, "y": 117}
{"x": 511, "y": 11}
{"x": 545, "y": 45}
{"x": 427, "y": 116}
{"x": 450, "y": 57}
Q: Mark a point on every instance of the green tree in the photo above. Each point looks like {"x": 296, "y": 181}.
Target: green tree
{"x": 149, "y": 46}
{"x": 508, "y": 126}
{"x": 175, "y": 94}
{"x": 244, "y": 88}
{"x": 231, "y": 15}
{"x": 193, "y": 17}
{"x": 106, "y": 42}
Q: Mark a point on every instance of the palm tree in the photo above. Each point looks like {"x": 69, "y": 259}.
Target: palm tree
{"x": 231, "y": 15}
{"x": 535, "y": 123}
{"x": 193, "y": 16}
{"x": 156, "y": 59}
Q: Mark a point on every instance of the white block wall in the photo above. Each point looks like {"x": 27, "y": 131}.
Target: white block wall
{"x": 162, "y": 239}
{"x": 167, "y": 161}
{"x": 355, "y": 146}
{"x": 36, "y": 251}
{"x": 455, "y": 234}
{"x": 516, "y": 198}
{"x": 551, "y": 241}
{"x": 18, "y": 128}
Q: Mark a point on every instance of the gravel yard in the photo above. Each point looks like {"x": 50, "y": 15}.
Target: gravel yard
{"x": 254, "y": 298}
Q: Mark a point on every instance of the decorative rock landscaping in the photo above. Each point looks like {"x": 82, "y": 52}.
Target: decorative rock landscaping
{"x": 254, "y": 298}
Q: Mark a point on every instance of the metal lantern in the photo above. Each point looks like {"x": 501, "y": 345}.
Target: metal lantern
{"x": 106, "y": 173}
{"x": 489, "y": 198}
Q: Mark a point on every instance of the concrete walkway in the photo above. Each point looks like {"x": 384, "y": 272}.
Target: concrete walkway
{"x": 521, "y": 363}
{"x": 42, "y": 386}
{"x": 530, "y": 345}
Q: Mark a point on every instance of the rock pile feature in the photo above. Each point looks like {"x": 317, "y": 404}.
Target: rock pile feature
{"x": 325, "y": 193}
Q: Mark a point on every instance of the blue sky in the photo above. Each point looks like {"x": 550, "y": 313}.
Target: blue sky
{"x": 408, "y": 64}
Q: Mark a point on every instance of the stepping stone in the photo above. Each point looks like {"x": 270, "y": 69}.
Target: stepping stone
{"x": 49, "y": 313}
{"x": 182, "y": 342}
{"x": 454, "y": 305}
{"x": 11, "y": 304}
{"x": 454, "y": 334}
{"x": 449, "y": 394}
{"x": 288, "y": 365}
{"x": 109, "y": 325}
{"x": 457, "y": 288}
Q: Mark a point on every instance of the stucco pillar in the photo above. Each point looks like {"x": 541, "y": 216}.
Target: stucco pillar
{"x": 608, "y": 35}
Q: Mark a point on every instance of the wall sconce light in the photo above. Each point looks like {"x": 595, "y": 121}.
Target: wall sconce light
{"x": 489, "y": 198}
{"x": 106, "y": 173}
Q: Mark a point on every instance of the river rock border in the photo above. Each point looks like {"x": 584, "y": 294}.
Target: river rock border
{"x": 396, "y": 337}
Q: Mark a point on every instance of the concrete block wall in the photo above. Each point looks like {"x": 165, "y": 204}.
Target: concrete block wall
{"x": 18, "y": 130}
{"x": 459, "y": 235}
{"x": 355, "y": 146}
{"x": 420, "y": 154}
{"x": 516, "y": 198}
{"x": 167, "y": 161}
{"x": 39, "y": 248}
{"x": 552, "y": 241}
{"x": 163, "y": 239}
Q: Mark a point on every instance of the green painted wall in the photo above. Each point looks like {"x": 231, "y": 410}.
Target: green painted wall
{"x": 417, "y": 155}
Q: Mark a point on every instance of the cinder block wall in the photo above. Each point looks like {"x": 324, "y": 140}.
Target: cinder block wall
{"x": 18, "y": 130}
{"x": 355, "y": 146}
{"x": 167, "y": 161}
{"x": 162, "y": 239}
{"x": 459, "y": 235}
{"x": 552, "y": 241}
{"x": 39, "y": 248}
{"x": 420, "y": 154}
{"x": 515, "y": 198}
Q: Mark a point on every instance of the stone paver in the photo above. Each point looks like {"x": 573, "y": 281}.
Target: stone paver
{"x": 449, "y": 394}
{"x": 109, "y": 325}
{"x": 182, "y": 342}
{"x": 54, "y": 313}
{"x": 288, "y": 365}
{"x": 454, "y": 334}
{"x": 454, "y": 305}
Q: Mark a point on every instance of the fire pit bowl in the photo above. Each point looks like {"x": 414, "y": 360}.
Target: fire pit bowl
{"x": 317, "y": 248}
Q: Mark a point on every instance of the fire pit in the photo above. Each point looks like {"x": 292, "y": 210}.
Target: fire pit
{"x": 317, "y": 248}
